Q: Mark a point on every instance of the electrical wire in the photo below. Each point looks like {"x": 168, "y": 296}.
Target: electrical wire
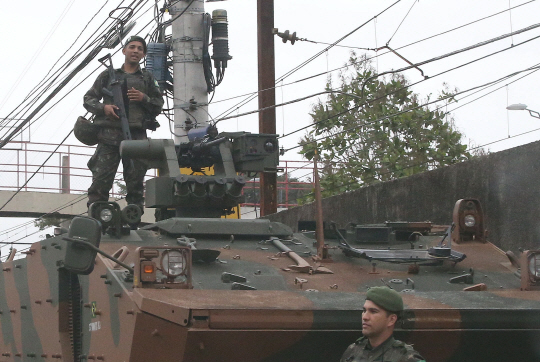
{"x": 170, "y": 21}
{"x": 363, "y": 104}
{"x": 405, "y": 17}
{"x": 417, "y": 107}
{"x": 39, "y": 168}
{"x": 70, "y": 76}
{"x": 273, "y": 106}
{"x": 240, "y": 104}
{"x": 61, "y": 85}
{"x": 306, "y": 62}
{"x": 485, "y": 95}
{"x": 79, "y": 199}
{"x": 37, "y": 53}
{"x": 376, "y": 56}
{"x": 535, "y": 69}
{"x": 415, "y": 165}
{"x": 35, "y": 89}
{"x": 455, "y": 52}
{"x": 96, "y": 35}
{"x": 408, "y": 86}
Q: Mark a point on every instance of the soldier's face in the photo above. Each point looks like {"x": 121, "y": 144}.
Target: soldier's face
{"x": 375, "y": 320}
{"x": 134, "y": 52}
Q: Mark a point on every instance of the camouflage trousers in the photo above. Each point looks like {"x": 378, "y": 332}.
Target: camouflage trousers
{"x": 104, "y": 164}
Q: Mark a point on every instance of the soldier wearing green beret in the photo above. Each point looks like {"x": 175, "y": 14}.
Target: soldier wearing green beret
{"x": 143, "y": 102}
{"x": 382, "y": 309}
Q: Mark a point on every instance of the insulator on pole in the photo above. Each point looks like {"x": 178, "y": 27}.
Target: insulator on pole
{"x": 220, "y": 38}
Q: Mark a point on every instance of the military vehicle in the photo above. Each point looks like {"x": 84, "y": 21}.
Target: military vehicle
{"x": 196, "y": 287}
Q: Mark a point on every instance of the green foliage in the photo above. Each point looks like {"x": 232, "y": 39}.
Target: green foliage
{"x": 122, "y": 189}
{"x": 364, "y": 144}
{"x": 48, "y": 221}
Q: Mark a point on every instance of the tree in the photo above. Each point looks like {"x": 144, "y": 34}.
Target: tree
{"x": 122, "y": 189}
{"x": 45, "y": 222}
{"x": 376, "y": 129}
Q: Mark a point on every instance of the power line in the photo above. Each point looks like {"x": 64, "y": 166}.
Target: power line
{"x": 408, "y": 86}
{"x": 469, "y": 149}
{"x": 52, "y": 212}
{"x": 465, "y": 25}
{"x": 355, "y": 182}
{"x": 298, "y": 67}
{"x": 405, "y": 17}
{"x": 39, "y": 168}
{"x": 484, "y": 95}
{"x": 89, "y": 57}
{"x": 279, "y": 105}
{"x": 71, "y": 46}
{"x": 37, "y": 53}
{"x": 489, "y": 143}
{"x": 402, "y": 69}
{"x": 254, "y": 93}
{"x": 414, "y": 108}
{"x": 103, "y": 37}
{"x": 306, "y": 62}
{"x": 97, "y": 36}
{"x": 455, "y": 52}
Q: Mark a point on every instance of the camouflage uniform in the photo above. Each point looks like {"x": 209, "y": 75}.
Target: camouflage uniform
{"x": 390, "y": 350}
{"x": 104, "y": 163}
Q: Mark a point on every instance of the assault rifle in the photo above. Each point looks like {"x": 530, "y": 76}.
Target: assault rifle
{"x": 115, "y": 91}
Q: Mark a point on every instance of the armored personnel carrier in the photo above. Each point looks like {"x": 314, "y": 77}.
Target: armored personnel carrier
{"x": 195, "y": 287}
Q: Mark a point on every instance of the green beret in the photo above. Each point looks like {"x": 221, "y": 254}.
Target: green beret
{"x": 136, "y": 38}
{"x": 386, "y": 298}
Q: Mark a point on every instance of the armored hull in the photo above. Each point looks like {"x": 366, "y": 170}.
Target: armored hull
{"x": 253, "y": 303}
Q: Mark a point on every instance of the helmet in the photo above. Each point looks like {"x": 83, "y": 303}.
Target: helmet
{"x": 86, "y": 131}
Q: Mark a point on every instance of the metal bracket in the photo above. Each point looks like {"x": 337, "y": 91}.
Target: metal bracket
{"x": 186, "y": 39}
{"x": 405, "y": 59}
{"x": 189, "y": 106}
{"x": 192, "y": 59}
{"x": 177, "y": 9}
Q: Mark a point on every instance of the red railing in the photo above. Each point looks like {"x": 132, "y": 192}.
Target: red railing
{"x": 27, "y": 166}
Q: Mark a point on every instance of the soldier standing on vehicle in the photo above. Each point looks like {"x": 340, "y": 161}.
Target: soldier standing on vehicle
{"x": 382, "y": 309}
{"x": 143, "y": 102}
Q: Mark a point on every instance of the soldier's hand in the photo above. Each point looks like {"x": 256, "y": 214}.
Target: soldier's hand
{"x": 109, "y": 110}
{"x": 135, "y": 95}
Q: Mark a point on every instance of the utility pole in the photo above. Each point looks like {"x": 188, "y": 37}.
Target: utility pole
{"x": 319, "y": 230}
{"x": 190, "y": 93}
{"x": 267, "y": 79}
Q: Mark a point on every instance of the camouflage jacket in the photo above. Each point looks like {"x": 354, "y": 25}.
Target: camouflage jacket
{"x": 390, "y": 350}
{"x": 137, "y": 112}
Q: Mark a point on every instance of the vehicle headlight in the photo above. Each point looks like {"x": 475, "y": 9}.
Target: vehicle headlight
{"x": 106, "y": 215}
{"x": 173, "y": 263}
{"x": 269, "y": 146}
{"x": 469, "y": 221}
{"x": 534, "y": 265}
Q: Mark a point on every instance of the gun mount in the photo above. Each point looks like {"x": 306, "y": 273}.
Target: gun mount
{"x": 197, "y": 194}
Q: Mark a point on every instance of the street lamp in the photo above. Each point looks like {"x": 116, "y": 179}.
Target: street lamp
{"x": 523, "y": 107}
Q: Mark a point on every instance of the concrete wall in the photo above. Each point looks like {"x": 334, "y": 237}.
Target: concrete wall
{"x": 507, "y": 184}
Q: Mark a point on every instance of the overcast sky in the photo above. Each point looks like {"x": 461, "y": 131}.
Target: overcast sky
{"x": 37, "y": 35}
